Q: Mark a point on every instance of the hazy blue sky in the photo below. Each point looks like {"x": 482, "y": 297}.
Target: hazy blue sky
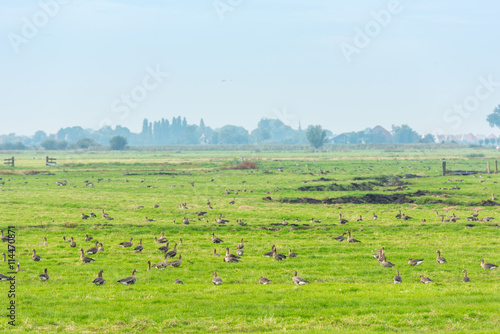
{"x": 346, "y": 65}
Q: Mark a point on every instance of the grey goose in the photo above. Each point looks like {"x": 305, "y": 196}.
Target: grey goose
{"x": 4, "y": 237}
{"x": 240, "y": 245}
{"x": 127, "y": 243}
{"x": 385, "y": 263}
{"x": 264, "y": 280}
{"x": 19, "y": 269}
{"x": 72, "y": 243}
{"x": 44, "y": 276}
{"x": 93, "y": 250}
{"x": 216, "y": 280}
{"x": 215, "y": 254}
{"x": 487, "y": 265}
{"x": 278, "y": 256}
{"x": 239, "y": 252}
{"x": 140, "y": 247}
{"x": 298, "y": 280}
{"x": 439, "y": 258}
{"x": 269, "y": 254}
{"x": 424, "y": 279}
{"x": 216, "y": 240}
{"x": 171, "y": 253}
{"x": 175, "y": 263}
{"x": 349, "y": 239}
{"x": 87, "y": 238}
{"x": 465, "y": 279}
{"x": 415, "y": 262}
{"x": 35, "y": 257}
{"x": 99, "y": 280}
{"x": 342, "y": 220}
{"x": 178, "y": 281}
{"x": 291, "y": 254}
{"x": 4, "y": 257}
{"x": 129, "y": 280}
{"x": 101, "y": 248}
{"x": 341, "y": 237}
{"x": 5, "y": 278}
{"x": 162, "y": 264}
{"x": 397, "y": 279}
{"x": 85, "y": 259}
{"x": 43, "y": 243}
{"x": 164, "y": 249}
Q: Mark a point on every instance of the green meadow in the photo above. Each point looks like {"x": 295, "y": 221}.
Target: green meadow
{"x": 348, "y": 290}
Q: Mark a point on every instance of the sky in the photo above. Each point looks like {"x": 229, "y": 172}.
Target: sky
{"x": 346, "y": 65}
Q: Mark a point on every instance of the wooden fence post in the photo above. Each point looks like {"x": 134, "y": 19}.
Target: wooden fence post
{"x": 444, "y": 168}
{"x": 496, "y": 166}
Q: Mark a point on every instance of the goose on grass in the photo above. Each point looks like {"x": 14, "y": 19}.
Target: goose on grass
{"x": 99, "y": 280}
{"x": 216, "y": 280}
{"x": 44, "y": 276}
{"x": 129, "y": 280}
{"x": 297, "y": 279}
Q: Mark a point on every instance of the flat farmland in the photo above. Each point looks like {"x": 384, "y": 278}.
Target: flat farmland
{"x": 291, "y": 200}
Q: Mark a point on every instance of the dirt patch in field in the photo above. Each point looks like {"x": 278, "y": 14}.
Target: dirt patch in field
{"x": 366, "y": 199}
{"x": 245, "y": 207}
{"x": 365, "y": 186}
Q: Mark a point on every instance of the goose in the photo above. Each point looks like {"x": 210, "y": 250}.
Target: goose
{"x": 415, "y": 262}
{"x": 93, "y": 250}
{"x": 44, "y": 243}
{"x": 127, "y": 243}
{"x": 129, "y": 280}
{"x": 104, "y": 214}
{"x": 85, "y": 259}
{"x": 278, "y": 256}
{"x": 161, "y": 239}
{"x": 374, "y": 217}
{"x": 291, "y": 254}
{"x": 178, "y": 281}
{"x": 385, "y": 263}
{"x": 231, "y": 257}
{"x": 298, "y": 280}
{"x": 164, "y": 249}
{"x": 240, "y": 245}
{"x": 4, "y": 237}
{"x": 269, "y": 254}
{"x": 360, "y": 219}
{"x": 216, "y": 240}
{"x": 342, "y": 220}
{"x": 175, "y": 263}
{"x": 398, "y": 216}
{"x": 239, "y": 252}
{"x": 4, "y": 257}
{"x": 44, "y": 276}
{"x": 19, "y": 269}
{"x": 5, "y": 278}
{"x": 397, "y": 278}
{"x": 161, "y": 265}
{"x": 149, "y": 265}
{"x": 264, "y": 280}
{"x": 35, "y": 257}
{"x": 87, "y": 238}
{"x": 101, "y": 248}
{"x": 439, "y": 258}
{"x": 180, "y": 241}
{"x": 64, "y": 239}
{"x": 185, "y": 220}
{"x": 487, "y": 265}
{"x": 72, "y": 243}
{"x": 139, "y": 248}
{"x": 99, "y": 280}
{"x": 156, "y": 206}
{"x": 438, "y": 215}
{"x": 215, "y": 254}
{"x": 465, "y": 279}
{"x": 341, "y": 237}
{"x": 200, "y": 213}
{"x": 380, "y": 255}
{"x": 93, "y": 215}
{"x": 233, "y": 201}
{"x": 349, "y": 239}
{"x": 487, "y": 219}
{"x": 315, "y": 220}
{"x": 108, "y": 218}
{"x": 424, "y": 279}
{"x": 171, "y": 253}
{"x": 405, "y": 217}
{"x": 216, "y": 280}
{"x": 475, "y": 214}
{"x": 149, "y": 219}
{"x": 84, "y": 216}
{"x": 139, "y": 207}
{"x": 444, "y": 220}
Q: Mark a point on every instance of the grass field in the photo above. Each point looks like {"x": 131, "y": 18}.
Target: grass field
{"x": 348, "y": 290}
